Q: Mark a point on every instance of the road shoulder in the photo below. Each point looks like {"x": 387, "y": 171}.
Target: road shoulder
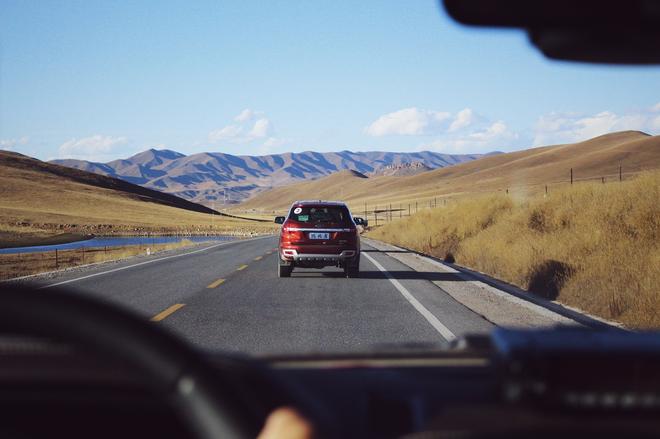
{"x": 499, "y": 303}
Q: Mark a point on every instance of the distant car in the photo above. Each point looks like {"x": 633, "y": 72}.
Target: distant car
{"x": 318, "y": 234}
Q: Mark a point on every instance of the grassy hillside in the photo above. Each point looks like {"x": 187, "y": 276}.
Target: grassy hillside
{"x": 593, "y": 246}
{"x": 39, "y": 200}
{"x": 523, "y": 172}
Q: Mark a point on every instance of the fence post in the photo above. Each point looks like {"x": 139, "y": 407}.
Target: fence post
{"x": 376, "y": 214}
{"x": 546, "y": 189}
{"x": 620, "y": 176}
{"x": 83, "y": 255}
{"x": 435, "y": 201}
{"x": 365, "y": 211}
{"x": 415, "y": 206}
{"x": 408, "y": 209}
{"x": 603, "y": 179}
{"x": 390, "y": 212}
{"x": 571, "y": 175}
{"x": 400, "y": 210}
{"x": 57, "y": 261}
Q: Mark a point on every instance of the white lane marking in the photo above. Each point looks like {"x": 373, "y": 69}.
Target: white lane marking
{"x": 433, "y": 320}
{"x": 148, "y": 262}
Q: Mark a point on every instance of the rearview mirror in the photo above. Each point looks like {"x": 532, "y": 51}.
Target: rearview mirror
{"x": 360, "y": 221}
{"x": 617, "y": 31}
{"x": 279, "y": 220}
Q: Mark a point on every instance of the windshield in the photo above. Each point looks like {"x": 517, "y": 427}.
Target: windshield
{"x": 158, "y": 155}
{"x": 320, "y": 214}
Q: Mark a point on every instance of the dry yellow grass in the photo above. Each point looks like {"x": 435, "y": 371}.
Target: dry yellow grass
{"x": 593, "y": 246}
{"x": 24, "y": 264}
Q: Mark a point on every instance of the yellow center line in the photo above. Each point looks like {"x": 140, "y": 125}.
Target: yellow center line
{"x": 258, "y": 258}
{"x": 242, "y": 267}
{"x": 160, "y": 316}
{"x": 216, "y": 283}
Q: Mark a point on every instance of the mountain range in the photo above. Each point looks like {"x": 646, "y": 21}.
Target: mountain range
{"x": 216, "y": 178}
{"x": 522, "y": 172}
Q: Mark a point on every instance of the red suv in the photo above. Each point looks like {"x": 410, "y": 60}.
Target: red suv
{"x": 319, "y": 234}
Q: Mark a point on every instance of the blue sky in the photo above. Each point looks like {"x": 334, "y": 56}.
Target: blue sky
{"x": 104, "y": 79}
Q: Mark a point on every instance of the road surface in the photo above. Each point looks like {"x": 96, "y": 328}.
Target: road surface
{"x": 228, "y": 297}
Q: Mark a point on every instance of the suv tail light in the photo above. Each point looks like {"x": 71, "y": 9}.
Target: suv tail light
{"x": 291, "y": 235}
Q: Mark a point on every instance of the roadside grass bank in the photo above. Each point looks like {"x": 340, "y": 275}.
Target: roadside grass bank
{"x": 592, "y": 246}
{"x": 25, "y": 264}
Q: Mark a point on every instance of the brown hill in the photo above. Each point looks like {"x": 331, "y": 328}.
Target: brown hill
{"x": 43, "y": 198}
{"x": 526, "y": 170}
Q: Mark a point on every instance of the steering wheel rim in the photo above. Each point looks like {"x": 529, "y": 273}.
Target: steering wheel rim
{"x": 175, "y": 370}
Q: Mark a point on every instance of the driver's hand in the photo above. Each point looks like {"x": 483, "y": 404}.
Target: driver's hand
{"x": 286, "y": 423}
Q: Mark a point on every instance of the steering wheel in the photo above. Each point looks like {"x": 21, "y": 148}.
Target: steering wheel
{"x": 209, "y": 402}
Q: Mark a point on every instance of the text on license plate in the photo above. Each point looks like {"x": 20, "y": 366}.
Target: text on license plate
{"x": 319, "y": 235}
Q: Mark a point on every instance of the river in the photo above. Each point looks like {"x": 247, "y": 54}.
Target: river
{"x": 113, "y": 241}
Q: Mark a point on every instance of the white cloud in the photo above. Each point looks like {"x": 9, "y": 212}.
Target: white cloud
{"x": 229, "y": 132}
{"x": 494, "y": 136}
{"x": 554, "y": 128}
{"x": 244, "y": 131}
{"x": 247, "y": 115}
{"x": 463, "y": 119}
{"x": 95, "y": 147}
{"x": 463, "y": 132}
{"x": 262, "y": 128}
{"x": 408, "y": 122}
{"x": 12, "y": 143}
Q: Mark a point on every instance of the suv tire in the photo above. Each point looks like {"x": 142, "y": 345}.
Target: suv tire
{"x": 352, "y": 269}
{"x": 284, "y": 270}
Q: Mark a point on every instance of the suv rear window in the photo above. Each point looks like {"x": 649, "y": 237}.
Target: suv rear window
{"x": 320, "y": 214}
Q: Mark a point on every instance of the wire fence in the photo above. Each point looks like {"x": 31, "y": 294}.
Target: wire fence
{"x": 380, "y": 212}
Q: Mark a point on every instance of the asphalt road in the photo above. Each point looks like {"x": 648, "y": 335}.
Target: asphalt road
{"x": 228, "y": 297}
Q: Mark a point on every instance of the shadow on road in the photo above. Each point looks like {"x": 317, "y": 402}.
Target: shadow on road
{"x": 386, "y": 251}
{"x": 396, "y": 274}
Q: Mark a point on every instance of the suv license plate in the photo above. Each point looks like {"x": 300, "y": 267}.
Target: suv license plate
{"x": 317, "y": 235}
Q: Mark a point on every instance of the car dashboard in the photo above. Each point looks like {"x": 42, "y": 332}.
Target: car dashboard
{"x": 508, "y": 385}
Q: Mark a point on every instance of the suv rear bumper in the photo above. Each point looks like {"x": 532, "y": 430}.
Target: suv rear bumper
{"x": 291, "y": 254}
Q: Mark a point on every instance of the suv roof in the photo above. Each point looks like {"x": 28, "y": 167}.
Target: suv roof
{"x": 330, "y": 203}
